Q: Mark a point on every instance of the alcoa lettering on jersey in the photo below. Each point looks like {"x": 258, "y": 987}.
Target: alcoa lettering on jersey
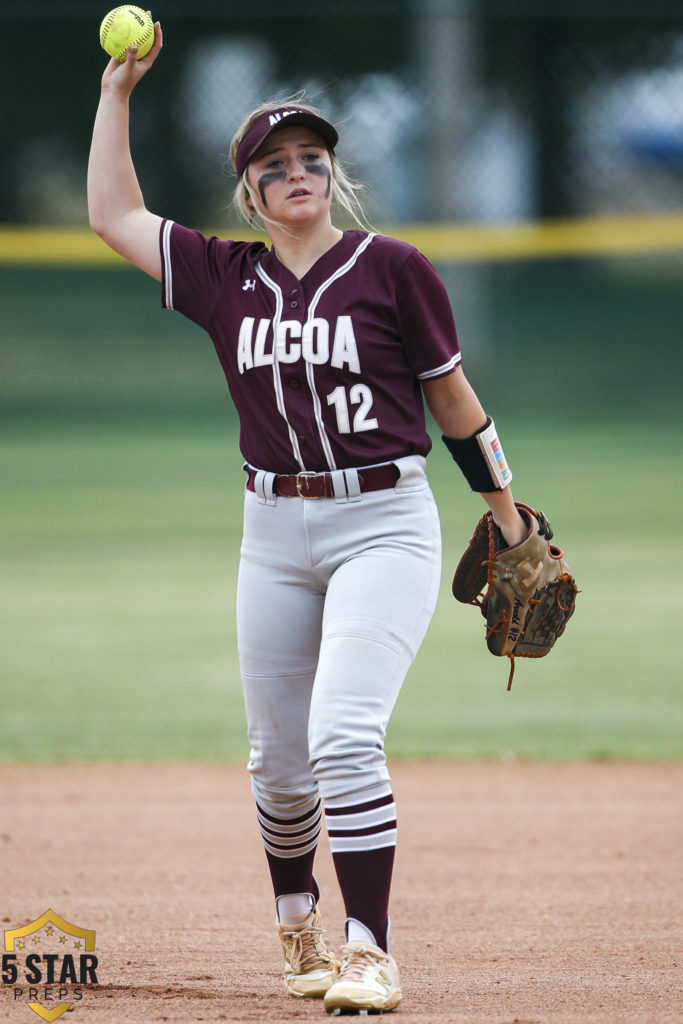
{"x": 255, "y": 347}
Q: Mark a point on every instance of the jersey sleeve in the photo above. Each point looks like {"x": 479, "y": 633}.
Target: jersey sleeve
{"x": 193, "y": 268}
{"x": 425, "y": 319}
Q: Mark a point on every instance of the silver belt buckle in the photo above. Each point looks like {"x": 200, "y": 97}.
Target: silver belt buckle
{"x": 306, "y": 474}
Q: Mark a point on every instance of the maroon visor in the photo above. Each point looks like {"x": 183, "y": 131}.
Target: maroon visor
{"x": 284, "y": 117}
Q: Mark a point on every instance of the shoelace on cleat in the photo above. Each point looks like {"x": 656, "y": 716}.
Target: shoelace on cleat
{"x": 357, "y": 961}
{"x": 304, "y": 952}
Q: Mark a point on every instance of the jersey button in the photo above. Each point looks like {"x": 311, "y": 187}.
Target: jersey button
{"x": 294, "y": 304}
{"x": 294, "y": 383}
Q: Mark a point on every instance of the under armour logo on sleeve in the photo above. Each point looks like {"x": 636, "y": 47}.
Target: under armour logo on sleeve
{"x": 249, "y": 285}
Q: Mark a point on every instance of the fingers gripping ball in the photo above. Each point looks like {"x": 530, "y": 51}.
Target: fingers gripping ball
{"x": 124, "y": 27}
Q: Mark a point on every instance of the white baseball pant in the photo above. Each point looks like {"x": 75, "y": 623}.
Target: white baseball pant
{"x": 334, "y": 598}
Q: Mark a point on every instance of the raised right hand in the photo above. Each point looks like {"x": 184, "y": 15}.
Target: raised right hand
{"x": 121, "y": 78}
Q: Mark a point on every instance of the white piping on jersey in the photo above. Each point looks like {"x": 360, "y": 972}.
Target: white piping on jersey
{"x": 310, "y": 375}
{"x": 279, "y": 304}
{"x": 277, "y": 382}
{"x": 317, "y": 409}
{"x": 166, "y": 252}
{"x": 440, "y": 371}
{"x": 168, "y": 302}
{"x": 310, "y": 371}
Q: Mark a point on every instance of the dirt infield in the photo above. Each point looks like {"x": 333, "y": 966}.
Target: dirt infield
{"x": 523, "y": 892}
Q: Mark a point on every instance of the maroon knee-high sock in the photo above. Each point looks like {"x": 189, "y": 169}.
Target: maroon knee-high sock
{"x": 292, "y": 875}
{"x": 365, "y": 882}
{"x": 362, "y": 831}
{"x": 290, "y": 845}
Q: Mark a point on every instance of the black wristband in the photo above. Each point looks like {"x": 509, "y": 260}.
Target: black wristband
{"x": 480, "y": 458}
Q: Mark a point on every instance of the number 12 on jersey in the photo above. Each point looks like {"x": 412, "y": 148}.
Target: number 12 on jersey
{"x": 360, "y": 395}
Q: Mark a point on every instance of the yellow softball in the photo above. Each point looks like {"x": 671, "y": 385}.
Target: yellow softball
{"x": 124, "y": 27}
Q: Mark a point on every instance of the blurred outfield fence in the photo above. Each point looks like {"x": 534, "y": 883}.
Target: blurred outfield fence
{"x": 478, "y": 110}
{"x": 533, "y": 150}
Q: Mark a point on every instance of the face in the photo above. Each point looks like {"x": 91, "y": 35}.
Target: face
{"x": 290, "y": 176}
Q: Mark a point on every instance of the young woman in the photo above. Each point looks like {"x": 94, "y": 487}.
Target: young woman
{"x": 329, "y": 341}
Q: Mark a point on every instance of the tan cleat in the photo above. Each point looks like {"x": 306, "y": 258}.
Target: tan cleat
{"x": 310, "y": 967}
{"x": 368, "y": 981}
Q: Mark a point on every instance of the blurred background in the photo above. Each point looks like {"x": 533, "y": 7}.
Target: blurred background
{"x": 534, "y": 152}
{"x": 473, "y": 110}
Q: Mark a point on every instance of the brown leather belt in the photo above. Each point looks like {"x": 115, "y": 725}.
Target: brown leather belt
{"x": 319, "y": 485}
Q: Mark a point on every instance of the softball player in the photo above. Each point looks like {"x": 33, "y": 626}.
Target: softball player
{"x": 329, "y": 340}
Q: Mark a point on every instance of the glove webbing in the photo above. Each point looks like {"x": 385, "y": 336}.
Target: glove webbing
{"x": 482, "y": 602}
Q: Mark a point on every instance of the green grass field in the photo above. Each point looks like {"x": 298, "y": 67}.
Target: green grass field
{"x": 121, "y": 494}
{"x": 119, "y": 550}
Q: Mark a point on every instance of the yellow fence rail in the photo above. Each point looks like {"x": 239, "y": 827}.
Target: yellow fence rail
{"x": 442, "y": 243}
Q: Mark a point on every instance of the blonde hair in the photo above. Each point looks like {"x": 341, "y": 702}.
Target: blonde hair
{"x": 345, "y": 193}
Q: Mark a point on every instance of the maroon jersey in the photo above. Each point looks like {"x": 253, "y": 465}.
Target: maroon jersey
{"x": 324, "y": 371}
